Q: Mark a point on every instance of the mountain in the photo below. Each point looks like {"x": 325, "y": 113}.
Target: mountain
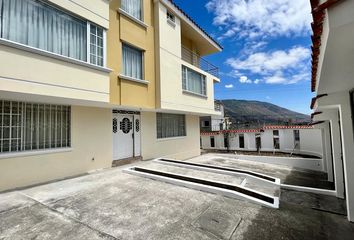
{"x": 245, "y": 113}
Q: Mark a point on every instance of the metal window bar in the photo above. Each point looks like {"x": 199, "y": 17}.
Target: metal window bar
{"x": 196, "y": 60}
{"x": 23, "y": 119}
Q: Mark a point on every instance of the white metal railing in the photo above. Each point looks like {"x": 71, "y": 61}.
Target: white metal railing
{"x": 198, "y": 61}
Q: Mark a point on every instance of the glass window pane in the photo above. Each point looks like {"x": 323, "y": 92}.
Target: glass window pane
{"x": 132, "y": 62}
{"x": 39, "y": 25}
{"x": 133, "y": 7}
{"x": 170, "y": 125}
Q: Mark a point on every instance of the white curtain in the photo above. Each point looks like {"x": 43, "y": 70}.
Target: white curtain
{"x": 193, "y": 81}
{"x": 39, "y": 25}
{"x": 170, "y": 125}
{"x": 133, "y": 7}
{"x": 132, "y": 62}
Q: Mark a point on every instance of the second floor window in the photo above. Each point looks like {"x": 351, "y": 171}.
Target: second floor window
{"x": 132, "y": 62}
{"x": 133, "y": 7}
{"x": 39, "y": 25}
{"x": 193, "y": 81}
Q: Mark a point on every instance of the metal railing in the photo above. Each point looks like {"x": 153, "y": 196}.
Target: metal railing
{"x": 198, "y": 61}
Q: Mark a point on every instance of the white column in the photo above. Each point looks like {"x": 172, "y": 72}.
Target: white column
{"x": 348, "y": 154}
{"x": 332, "y": 116}
{"x": 328, "y": 151}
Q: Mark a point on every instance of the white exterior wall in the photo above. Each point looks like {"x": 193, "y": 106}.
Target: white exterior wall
{"x": 267, "y": 140}
{"x": 310, "y": 141}
{"x": 286, "y": 138}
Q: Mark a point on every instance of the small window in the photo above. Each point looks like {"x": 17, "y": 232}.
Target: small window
{"x": 241, "y": 139}
{"x": 296, "y": 139}
{"x": 134, "y": 8}
{"x": 212, "y": 141}
{"x": 276, "y": 142}
{"x": 132, "y": 62}
{"x": 170, "y": 125}
{"x": 258, "y": 141}
{"x": 193, "y": 81}
{"x": 206, "y": 124}
{"x": 171, "y": 17}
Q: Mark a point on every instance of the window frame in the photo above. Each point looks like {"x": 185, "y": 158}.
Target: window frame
{"x": 203, "y": 84}
{"x": 44, "y": 52}
{"x": 142, "y": 51}
{"x": 40, "y": 127}
{"x": 243, "y": 141}
{"x": 140, "y": 21}
{"x": 162, "y": 137}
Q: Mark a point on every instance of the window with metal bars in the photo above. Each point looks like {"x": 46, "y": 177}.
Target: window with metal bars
{"x": 32, "y": 126}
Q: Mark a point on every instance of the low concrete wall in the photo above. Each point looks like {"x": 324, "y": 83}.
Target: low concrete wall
{"x": 305, "y": 163}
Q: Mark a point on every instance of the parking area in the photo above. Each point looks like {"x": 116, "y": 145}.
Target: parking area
{"x": 111, "y": 204}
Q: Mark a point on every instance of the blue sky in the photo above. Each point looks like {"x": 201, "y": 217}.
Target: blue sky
{"x": 266, "y": 54}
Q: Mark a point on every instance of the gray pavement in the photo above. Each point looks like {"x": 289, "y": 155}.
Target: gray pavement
{"x": 114, "y": 205}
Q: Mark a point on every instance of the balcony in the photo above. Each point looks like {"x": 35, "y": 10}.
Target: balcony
{"x": 196, "y": 60}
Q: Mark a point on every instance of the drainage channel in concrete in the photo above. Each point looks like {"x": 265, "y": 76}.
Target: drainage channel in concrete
{"x": 213, "y": 186}
{"x": 217, "y": 169}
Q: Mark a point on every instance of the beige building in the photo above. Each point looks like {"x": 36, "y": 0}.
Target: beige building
{"x": 87, "y": 82}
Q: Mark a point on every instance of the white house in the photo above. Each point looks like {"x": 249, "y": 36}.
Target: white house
{"x": 333, "y": 83}
{"x": 290, "y": 139}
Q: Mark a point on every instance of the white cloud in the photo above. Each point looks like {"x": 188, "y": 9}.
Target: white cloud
{"x": 257, "y": 81}
{"x": 263, "y": 62}
{"x": 261, "y": 18}
{"x": 244, "y": 79}
{"x": 277, "y": 67}
{"x": 229, "y": 86}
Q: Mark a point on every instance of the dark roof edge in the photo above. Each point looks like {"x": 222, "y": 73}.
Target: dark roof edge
{"x": 196, "y": 24}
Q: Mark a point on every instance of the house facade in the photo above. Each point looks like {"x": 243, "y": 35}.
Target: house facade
{"x": 85, "y": 83}
{"x": 288, "y": 139}
{"x": 333, "y": 84}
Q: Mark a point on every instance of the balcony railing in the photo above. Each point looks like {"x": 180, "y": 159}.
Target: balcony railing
{"x": 198, "y": 61}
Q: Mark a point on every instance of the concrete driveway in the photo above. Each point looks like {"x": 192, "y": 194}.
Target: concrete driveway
{"x": 114, "y": 205}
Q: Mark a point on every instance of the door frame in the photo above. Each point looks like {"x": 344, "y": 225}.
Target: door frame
{"x": 133, "y": 114}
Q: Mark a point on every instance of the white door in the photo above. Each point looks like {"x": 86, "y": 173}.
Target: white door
{"x": 123, "y": 136}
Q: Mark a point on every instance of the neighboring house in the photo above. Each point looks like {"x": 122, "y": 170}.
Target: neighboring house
{"x": 333, "y": 83}
{"x": 288, "y": 139}
{"x": 214, "y": 122}
{"x": 87, "y": 82}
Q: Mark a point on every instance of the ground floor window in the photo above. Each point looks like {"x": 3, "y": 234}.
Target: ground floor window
{"x": 276, "y": 142}
{"x": 32, "y": 126}
{"x": 296, "y": 139}
{"x": 212, "y": 141}
{"x": 170, "y": 125}
{"x": 241, "y": 141}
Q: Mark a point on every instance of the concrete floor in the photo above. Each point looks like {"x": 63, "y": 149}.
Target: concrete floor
{"x": 114, "y": 205}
